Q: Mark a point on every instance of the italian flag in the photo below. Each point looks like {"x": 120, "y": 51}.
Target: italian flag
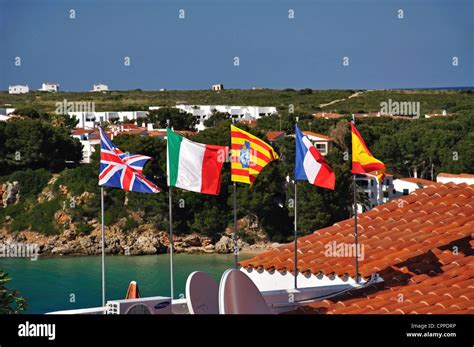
{"x": 194, "y": 166}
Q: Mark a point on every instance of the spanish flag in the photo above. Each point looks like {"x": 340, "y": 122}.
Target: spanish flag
{"x": 363, "y": 162}
{"x": 249, "y": 155}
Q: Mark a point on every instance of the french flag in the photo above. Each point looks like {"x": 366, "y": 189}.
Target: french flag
{"x": 310, "y": 164}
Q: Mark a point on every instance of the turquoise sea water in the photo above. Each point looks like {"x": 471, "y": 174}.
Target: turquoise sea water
{"x": 50, "y": 283}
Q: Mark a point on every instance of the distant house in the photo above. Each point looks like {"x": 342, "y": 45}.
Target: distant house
{"x": 322, "y": 142}
{"x": 273, "y": 136}
{"x": 406, "y": 186}
{"x": 89, "y": 138}
{"x": 100, "y": 87}
{"x": 130, "y": 128}
{"x": 5, "y": 111}
{"x": 49, "y": 87}
{"x": 455, "y": 178}
{"x": 18, "y": 89}
{"x": 92, "y": 119}
{"x": 217, "y": 87}
{"x": 377, "y": 192}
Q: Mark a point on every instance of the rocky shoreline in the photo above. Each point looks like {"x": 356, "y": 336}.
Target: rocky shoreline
{"x": 144, "y": 240}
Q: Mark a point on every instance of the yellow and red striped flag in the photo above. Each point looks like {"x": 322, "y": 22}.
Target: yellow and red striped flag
{"x": 363, "y": 162}
{"x": 249, "y": 155}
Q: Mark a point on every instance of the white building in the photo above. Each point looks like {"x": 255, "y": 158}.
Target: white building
{"x": 322, "y": 142}
{"x": 88, "y": 138}
{"x": 405, "y": 186}
{"x": 377, "y": 192}
{"x": 201, "y": 112}
{"x": 93, "y": 119}
{"x": 5, "y": 111}
{"x": 18, "y": 89}
{"x": 100, "y": 87}
{"x": 455, "y": 178}
{"x": 49, "y": 87}
{"x": 217, "y": 87}
{"x": 239, "y": 113}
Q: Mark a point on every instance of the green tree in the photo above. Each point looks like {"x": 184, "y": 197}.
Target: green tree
{"x": 34, "y": 144}
{"x": 179, "y": 120}
{"x": 215, "y": 118}
{"x": 10, "y": 301}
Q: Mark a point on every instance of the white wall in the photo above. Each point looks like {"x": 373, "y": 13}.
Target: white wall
{"x": 92, "y": 119}
{"x": 202, "y": 112}
{"x": 88, "y": 150}
{"x": 375, "y": 190}
{"x": 46, "y": 87}
{"x": 100, "y": 88}
{"x": 18, "y": 89}
{"x": 276, "y": 280}
{"x": 456, "y": 180}
{"x": 401, "y": 185}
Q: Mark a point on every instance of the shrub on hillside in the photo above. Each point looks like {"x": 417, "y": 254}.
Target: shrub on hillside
{"x": 39, "y": 218}
{"x": 31, "y": 182}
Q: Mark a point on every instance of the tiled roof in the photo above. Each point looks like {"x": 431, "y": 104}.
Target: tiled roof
{"x": 81, "y": 131}
{"x": 421, "y": 181}
{"x": 186, "y": 132}
{"x": 310, "y": 133}
{"x": 438, "y": 282}
{"x": 274, "y": 135}
{"x": 138, "y": 131}
{"x": 157, "y": 133}
{"x": 251, "y": 122}
{"x": 462, "y": 175}
{"x": 420, "y": 244}
{"x": 129, "y": 126}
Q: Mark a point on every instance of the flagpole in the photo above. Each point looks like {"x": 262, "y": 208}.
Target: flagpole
{"x": 103, "y": 243}
{"x": 355, "y": 223}
{"x": 296, "y": 237}
{"x": 355, "y": 232}
{"x": 236, "y": 246}
{"x": 170, "y": 191}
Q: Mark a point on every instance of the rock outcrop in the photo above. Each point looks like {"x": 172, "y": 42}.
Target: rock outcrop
{"x": 9, "y": 193}
{"x": 143, "y": 240}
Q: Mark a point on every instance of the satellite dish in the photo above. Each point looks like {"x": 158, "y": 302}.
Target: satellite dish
{"x": 202, "y": 293}
{"x": 239, "y": 295}
{"x": 139, "y": 309}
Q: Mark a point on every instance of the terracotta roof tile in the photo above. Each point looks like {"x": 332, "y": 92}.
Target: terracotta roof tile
{"x": 411, "y": 247}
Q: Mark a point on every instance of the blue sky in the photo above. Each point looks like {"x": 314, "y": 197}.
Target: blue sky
{"x": 274, "y": 51}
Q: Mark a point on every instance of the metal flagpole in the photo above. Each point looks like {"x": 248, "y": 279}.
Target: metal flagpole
{"x": 170, "y": 191}
{"x": 355, "y": 223}
{"x": 296, "y": 237}
{"x": 355, "y": 231}
{"x": 236, "y": 246}
{"x": 296, "y": 226}
{"x": 103, "y": 244}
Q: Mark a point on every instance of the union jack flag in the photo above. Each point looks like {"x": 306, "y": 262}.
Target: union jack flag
{"x": 122, "y": 170}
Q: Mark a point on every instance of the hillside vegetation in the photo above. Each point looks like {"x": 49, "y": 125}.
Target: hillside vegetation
{"x": 56, "y": 196}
